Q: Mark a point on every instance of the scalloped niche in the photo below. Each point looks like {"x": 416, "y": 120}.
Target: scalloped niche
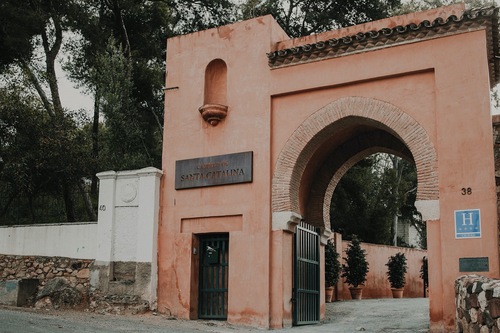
{"x": 214, "y": 107}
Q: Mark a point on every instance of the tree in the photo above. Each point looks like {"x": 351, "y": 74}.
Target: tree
{"x": 305, "y": 17}
{"x": 41, "y": 158}
{"x": 137, "y": 29}
{"x": 18, "y": 24}
{"x": 44, "y": 33}
{"x": 396, "y": 270}
{"x": 371, "y": 194}
{"x": 356, "y": 266}
{"x": 332, "y": 265}
{"x": 189, "y": 16}
{"x": 419, "y": 5}
{"x": 116, "y": 50}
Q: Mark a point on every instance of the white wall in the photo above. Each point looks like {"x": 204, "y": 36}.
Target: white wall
{"x": 128, "y": 215}
{"x": 72, "y": 240}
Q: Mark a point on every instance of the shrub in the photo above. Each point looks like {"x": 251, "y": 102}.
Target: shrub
{"x": 397, "y": 268}
{"x": 332, "y": 265}
{"x": 356, "y": 267}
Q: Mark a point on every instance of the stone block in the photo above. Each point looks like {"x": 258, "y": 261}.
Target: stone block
{"x": 17, "y": 292}
{"x": 487, "y": 320}
{"x": 473, "y": 315}
{"x": 471, "y": 302}
{"x": 83, "y": 274}
{"x": 494, "y": 307}
{"x": 484, "y": 329}
{"x": 483, "y": 302}
{"x": 474, "y": 328}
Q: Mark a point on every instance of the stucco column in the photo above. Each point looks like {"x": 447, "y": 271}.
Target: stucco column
{"x": 107, "y": 185}
{"x": 283, "y": 228}
{"x": 147, "y": 226}
{"x": 435, "y": 267}
{"x": 430, "y": 211}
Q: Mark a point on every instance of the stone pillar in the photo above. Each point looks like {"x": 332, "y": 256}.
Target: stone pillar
{"x": 101, "y": 271}
{"x": 147, "y": 229}
{"x": 127, "y": 234}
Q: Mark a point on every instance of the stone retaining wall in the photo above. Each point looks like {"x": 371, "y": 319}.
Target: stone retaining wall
{"x": 75, "y": 271}
{"x": 477, "y": 304}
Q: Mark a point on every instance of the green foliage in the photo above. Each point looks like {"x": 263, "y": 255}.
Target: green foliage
{"x": 370, "y": 194}
{"x": 332, "y": 265}
{"x": 116, "y": 51}
{"x": 42, "y": 157}
{"x": 397, "y": 268}
{"x": 189, "y": 16}
{"x": 419, "y": 5}
{"x": 424, "y": 272}
{"x": 122, "y": 138}
{"x": 18, "y": 24}
{"x": 304, "y": 17}
{"x": 356, "y": 266}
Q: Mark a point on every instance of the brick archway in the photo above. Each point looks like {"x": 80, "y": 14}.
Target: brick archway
{"x": 316, "y": 129}
{"x": 348, "y": 154}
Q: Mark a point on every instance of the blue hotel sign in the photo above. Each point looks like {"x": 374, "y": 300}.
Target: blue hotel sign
{"x": 467, "y": 223}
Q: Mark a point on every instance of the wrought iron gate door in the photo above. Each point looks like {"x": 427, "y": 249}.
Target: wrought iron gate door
{"x": 214, "y": 258}
{"x": 306, "y": 289}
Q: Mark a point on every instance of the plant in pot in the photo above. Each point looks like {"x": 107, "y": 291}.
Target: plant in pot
{"x": 332, "y": 269}
{"x": 396, "y": 272}
{"x": 355, "y": 268}
{"x": 424, "y": 275}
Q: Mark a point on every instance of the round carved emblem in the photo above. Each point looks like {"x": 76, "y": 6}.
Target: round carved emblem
{"x": 128, "y": 192}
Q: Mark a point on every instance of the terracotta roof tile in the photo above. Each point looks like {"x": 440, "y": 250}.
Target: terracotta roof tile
{"x": 470, "y": 20}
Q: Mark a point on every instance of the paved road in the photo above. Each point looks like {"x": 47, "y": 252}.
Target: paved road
{"x": 371, "y": 316}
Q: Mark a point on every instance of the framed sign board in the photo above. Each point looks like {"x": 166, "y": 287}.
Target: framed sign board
{"x": 214, "y": 170}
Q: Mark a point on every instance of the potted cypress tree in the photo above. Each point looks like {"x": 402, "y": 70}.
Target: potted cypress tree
{"x": 332, "y": 269}
{"x": 396, "y": 272}
{"x": 355, "y": 268}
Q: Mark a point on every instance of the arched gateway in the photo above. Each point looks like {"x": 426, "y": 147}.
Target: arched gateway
{"x": 296, "y": 114}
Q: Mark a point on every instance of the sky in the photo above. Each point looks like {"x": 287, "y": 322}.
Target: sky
{"x": 75, "y": 99}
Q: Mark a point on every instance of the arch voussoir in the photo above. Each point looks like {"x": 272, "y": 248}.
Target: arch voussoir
{"x": 318, "y": 127}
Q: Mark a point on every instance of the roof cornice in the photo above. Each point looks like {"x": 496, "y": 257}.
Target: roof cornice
{"x": 470, "y": 20}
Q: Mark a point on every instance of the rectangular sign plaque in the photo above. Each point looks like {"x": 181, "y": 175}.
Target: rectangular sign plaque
{"x": 214, "y": 170}
{"x": 468, "y": 223}
{"x": 479, "y": 264}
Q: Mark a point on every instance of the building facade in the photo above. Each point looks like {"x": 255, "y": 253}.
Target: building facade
{"x": 259, "y": 129}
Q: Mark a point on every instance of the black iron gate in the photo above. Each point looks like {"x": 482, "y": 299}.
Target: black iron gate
{"x": 214, "y": 258}
{"x": 306, "y": 286}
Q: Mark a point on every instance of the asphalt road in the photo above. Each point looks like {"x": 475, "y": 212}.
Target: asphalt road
{"x": 376, "y": 316}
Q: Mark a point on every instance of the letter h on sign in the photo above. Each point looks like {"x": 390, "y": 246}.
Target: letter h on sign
{"x": 468, "y": 223}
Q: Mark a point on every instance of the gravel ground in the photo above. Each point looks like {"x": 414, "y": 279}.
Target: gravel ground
{"x": 377, "y": 316}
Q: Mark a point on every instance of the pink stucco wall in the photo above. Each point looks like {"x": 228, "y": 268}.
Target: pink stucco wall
{"x": 377, "y": 285}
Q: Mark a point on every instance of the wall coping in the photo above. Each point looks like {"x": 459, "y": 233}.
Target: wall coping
{"x": 46, "y": 224}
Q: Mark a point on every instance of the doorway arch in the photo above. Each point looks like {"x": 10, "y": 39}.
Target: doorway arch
{"x": 391, "y": 130}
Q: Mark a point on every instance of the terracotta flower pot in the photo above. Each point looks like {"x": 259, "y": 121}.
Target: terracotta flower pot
{"x": 356, "y": 292}
{"x": 328, "y": 294}
{"x": 397, "y": 292}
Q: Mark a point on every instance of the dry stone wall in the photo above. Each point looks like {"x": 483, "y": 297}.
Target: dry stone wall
{"x": 478, "y": 304}
{"x": 75, "y": 271}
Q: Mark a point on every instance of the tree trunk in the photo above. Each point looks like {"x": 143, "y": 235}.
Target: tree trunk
{"x": 95, "y": 144}
{"x": 69, "y": 203}
{"x": 91, "y": 214}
